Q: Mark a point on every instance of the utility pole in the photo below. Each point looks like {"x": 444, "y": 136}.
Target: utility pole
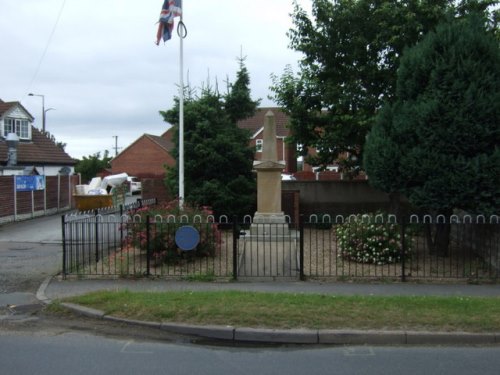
{"x": 116, "y": 145}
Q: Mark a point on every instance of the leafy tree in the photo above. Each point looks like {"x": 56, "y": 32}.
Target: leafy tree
{"x": 90, "y": 165}
{"x": 351, "y": 51}
{"x": 61, "y": 145}
{"x": 439, "y": 142}
{"x": 238, "y": 101}
{"x": 218, "y": 160}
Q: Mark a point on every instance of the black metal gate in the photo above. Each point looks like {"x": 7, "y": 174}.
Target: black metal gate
{"x": 268, "y": 252}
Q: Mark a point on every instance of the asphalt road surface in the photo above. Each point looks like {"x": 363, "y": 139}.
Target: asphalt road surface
{"x": 29, "y": 252}
{"x": 41, "y": 230}
{"x": 88, "y": 354}
{"x": 32, "y": 342}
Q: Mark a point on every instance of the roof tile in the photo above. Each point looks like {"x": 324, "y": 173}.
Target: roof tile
{"x": 40, "y": 150}
{"x": 256, "y": 122}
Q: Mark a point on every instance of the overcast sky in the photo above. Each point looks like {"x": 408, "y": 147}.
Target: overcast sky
{"x": 96, "y": 63}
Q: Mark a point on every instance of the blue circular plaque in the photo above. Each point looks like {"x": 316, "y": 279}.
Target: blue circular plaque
{"x": 187, "y": 238}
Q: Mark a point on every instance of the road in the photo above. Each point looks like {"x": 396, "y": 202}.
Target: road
{"x": 41, "y": 230}
{"x": 30, "y": 251}
{"x": 33, "y": 341}
{"x": 77, "y": 353}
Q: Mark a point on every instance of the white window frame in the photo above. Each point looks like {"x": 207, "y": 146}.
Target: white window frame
{"x": 16, "y": 125}
{"x": 8, "y": 126}
{"x": 259, "y": 145}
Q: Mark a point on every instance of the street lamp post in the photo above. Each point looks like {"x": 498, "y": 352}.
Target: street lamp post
{"x": 43, "y": 109}
{"x": 45, "y": 116}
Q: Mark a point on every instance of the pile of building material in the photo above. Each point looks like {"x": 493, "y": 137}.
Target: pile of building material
{"x": 100, "y": 192}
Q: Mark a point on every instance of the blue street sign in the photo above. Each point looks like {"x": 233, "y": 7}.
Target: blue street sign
{"x": 187, "y": 238}
{"x": 30, "y": 183}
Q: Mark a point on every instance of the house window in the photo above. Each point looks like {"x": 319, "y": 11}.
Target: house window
{"x": 258, "y": 145}
{"x": 8, "y": 126}
{"x": 18, "y": 126}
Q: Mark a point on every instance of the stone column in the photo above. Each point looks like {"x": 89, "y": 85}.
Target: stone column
{"x": 269, "y": 179}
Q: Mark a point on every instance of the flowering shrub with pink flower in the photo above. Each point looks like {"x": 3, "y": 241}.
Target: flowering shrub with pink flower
{"x": 371, "y": 238}
{"x": 160, "y": 223}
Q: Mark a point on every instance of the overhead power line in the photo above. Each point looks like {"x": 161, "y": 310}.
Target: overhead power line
{"x": 46, "y": 46}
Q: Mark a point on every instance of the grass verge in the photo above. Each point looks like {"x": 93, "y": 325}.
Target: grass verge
{"x": 285, "y": 310}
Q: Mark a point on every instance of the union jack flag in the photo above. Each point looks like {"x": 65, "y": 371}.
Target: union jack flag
{"x": 170, "y": 10}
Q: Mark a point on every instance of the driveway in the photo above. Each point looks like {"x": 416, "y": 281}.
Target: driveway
{"x": 30, "y": 251}
{"x": 41, "y": 230}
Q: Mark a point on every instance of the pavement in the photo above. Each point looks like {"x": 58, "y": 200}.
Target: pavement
{"x": 34, "y": 248}
{"x": 54, "y": 288}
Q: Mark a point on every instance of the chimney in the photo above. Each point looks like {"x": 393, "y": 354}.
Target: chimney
{"x": 12, "y": 143}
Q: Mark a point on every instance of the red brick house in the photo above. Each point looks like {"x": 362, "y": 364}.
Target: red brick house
{"x": 287, "y": 153}
{"x": 255, "y": 124}
{"x": 36, "y": 151}
{"x": 146, "y": 157}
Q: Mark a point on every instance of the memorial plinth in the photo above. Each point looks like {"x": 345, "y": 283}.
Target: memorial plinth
{"x": 269, "y": 218}
{"x": 269, "y": 248}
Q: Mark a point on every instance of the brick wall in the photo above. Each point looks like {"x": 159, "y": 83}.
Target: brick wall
{"x": 325, "y": 176}
{"x": 305, "y": 176}
{"x": 338, "y": 197}
{"x": 143, "y": 159}
{"x": 284, "y": 152}
{"x": 155, "y": 188}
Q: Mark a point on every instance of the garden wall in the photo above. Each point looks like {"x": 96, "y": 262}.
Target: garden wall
{"x": 154, "y": 188}
{"x": 338, "y": 197}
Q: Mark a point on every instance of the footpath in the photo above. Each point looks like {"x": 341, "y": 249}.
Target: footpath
{"x": 53, "y": 288}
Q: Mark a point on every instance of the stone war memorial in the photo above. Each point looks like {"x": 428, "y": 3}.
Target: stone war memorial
{"x": 269, "y": 248}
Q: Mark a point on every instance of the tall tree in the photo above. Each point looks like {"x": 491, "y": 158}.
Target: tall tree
{"x": 439, "y": 142}
{"x": 91, "y": 165}
{"x": 351, "y": 51}
{"x": 218, "y": 159}
{"x": 238, "y": 101}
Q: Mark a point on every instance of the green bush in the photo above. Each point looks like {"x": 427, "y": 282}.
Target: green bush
{"x": 371, "y": 238}
{"x": 164, "y": 221}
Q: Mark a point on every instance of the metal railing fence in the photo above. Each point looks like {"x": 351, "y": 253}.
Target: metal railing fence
{"x": 322, "y": 247}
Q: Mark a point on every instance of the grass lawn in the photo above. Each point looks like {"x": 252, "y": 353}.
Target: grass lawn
{"x": 286, "y": 310}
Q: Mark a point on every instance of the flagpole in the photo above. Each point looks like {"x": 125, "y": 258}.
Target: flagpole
{"x": 181, "y": 115}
